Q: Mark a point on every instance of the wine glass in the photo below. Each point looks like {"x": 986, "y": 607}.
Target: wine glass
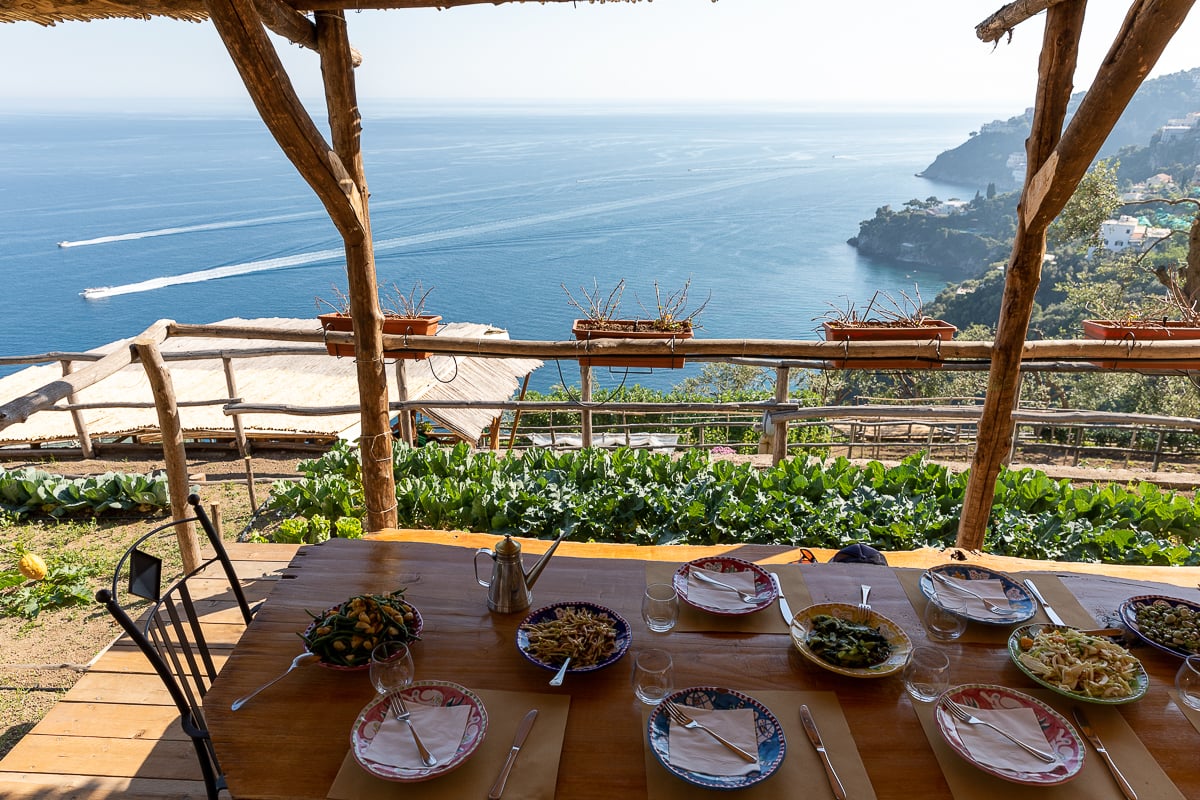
{"x": 391, "y": 667}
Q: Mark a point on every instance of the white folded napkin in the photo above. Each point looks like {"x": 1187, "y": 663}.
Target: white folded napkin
{"x": 991, "y": 589}
{"x": 991, "y": 748}
{"x": 441, "y": 729}
{"x": 696, "y": 751}
{"x": 706, "y": 594}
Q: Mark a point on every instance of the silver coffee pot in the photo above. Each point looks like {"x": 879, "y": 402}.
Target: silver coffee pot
{"x": 509, "y": 587}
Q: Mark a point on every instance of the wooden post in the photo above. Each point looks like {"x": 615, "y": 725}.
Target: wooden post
{"x": 407, "y": 434}
{"x": 512, "y": 437}
{"x": 585, "y": 397}
{"x": 1057, "y": 160}
{"x": 81, "y": 428}
{"x": 172, "y": 443}
{"x": 239, "y": 432}
{"x": 779, "y": 435}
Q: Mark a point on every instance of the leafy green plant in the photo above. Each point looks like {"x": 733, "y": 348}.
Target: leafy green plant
{"x": 640, "y": 497}
{"x": 30, "y": 491}
{"x": 67, "y": 583}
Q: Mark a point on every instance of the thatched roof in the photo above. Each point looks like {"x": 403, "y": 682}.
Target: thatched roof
{"x": 314, "y": 380}
{"x": 51, "y": 12}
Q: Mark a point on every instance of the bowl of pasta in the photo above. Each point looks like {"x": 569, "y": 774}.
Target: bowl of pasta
{"x": 591, "y": 635}
{"x": 1087, "y": 668}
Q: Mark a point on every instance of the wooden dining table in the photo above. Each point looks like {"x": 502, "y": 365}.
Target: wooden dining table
{"x": 293, "y": 740}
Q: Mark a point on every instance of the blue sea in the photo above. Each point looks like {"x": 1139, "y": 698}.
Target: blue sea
{"x": 200, "y": 217}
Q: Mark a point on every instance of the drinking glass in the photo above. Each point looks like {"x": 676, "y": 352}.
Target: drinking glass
{"x": 927, "y": 674}
{"x": 943, "y": 617}
{"x": 391, "y": 667}
{"x": 652, "y": 680}
{"x": 1187, "y": 681}
{"x": 660, "y": 607}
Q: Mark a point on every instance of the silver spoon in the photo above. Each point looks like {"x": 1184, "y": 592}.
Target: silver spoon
{"x": 562, "y": 671}
{"x": 297, "y": 661}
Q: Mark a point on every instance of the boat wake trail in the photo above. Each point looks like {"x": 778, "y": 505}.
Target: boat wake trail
{"x": 208, "y": 226}
{"x": 303, "y": 259}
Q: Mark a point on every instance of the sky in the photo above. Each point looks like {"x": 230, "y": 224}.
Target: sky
{"x": 851, "y": 53}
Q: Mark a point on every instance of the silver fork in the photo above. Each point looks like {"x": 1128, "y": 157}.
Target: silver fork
{"x": 400, "y": 712}
{"x": 964, "y": 714}
{"x": 999, "y": 611}
{"x": 864, "y": 608}
{"x": 680, "y": 717}
{"x": 746, "y": 598}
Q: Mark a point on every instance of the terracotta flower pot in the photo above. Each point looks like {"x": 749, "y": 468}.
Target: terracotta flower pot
{"x": 425, "y": 325}
{"x": 585, "y": 330}
{"x": 1135, "y": 331}
{"x": 928, "y": 330}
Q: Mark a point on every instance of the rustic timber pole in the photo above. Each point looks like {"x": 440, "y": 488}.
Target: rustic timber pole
{"x": 81, "y": 428}
{"x": 336, "y": 176}
{"x": 174, "y": 453}
{"x": 1057, "y": 161}
{"x": 345, "y": 125}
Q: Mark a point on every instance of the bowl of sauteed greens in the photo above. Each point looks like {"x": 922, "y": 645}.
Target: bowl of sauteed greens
{"x": 344, "y": 635}
{"x": 843, "y": 639}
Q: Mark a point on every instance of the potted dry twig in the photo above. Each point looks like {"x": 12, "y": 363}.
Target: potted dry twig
{"x": 671, "y": 319}
{"x": 885, "y": 319}
{"x": 403, "y": 315}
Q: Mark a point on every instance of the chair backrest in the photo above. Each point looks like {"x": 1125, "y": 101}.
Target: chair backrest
{"x": 181, "y": 627}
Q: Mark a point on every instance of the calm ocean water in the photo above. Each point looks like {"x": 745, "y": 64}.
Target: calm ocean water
{"x": 199, "y": 218}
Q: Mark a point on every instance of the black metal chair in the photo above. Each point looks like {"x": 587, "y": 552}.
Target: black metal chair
{"x": 170, "y": 633}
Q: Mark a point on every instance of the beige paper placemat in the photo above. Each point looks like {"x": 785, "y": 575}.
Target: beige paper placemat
{"x": 1050, "y": 586}
{"x": 534, "y": 777}
{"x": 1192, "y": 714}
{"x": 801, "y": 773}
{"x": 839, "y": 583}
{"x": 768, "y": 620}
{"x": 1094, "y": 781}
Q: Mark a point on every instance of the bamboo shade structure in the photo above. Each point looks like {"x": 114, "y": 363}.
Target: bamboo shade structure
{"x": 1057, "y": 159}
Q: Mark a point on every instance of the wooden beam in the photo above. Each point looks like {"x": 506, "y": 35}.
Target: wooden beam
{"x": 1010, "y": 16}
{"x": 1056, "y": 68}
{"x": 1145, "y": 33}
{"x": 345, "y": 124}
{"x": 174, "y": 454}
{"x": 1057, "y": 161}
{"x": 241, "y": 29}
{"x": 293, "y": 26}
{"x": 21, "y": 408}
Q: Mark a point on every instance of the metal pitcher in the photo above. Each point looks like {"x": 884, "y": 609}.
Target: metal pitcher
{"x": 509, "y": 587}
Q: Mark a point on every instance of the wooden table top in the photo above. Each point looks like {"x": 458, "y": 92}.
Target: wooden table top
{"x": 290, "y": 741}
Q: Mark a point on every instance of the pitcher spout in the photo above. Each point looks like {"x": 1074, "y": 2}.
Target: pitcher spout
{"x": 536, "y": 570}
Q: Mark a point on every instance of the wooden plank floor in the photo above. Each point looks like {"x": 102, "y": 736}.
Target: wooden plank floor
{"x": 116, "y": 733}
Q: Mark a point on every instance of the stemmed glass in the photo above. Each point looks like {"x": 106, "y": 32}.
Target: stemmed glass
{"x": 391, "y": 667}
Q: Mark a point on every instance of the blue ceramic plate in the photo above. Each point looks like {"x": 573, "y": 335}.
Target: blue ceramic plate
{"x": 1129, "y": 615}
{"x": 548, "y": 613}
{"x": 771, "y": 743}
{"x": 1018, "y": 596}
{"x": 1139, "y": 680}
{"x": 764, "y": 587}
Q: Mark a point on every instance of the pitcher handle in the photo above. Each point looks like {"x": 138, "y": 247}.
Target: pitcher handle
{"x": 483, "y": 551}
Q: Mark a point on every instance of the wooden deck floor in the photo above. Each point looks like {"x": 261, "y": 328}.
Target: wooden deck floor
{"x": 115, "y": 734}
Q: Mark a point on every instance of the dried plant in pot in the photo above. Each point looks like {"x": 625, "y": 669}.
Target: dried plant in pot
{"x": 885, "y": 319}
{"x": 1172, "y": 317}
{"x": 671, "y": 319}
{"x": 403, "y": 315}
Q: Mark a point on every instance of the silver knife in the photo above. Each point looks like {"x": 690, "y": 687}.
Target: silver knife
{"x": 518, "y": 740}
{"x": 784, "y": 608}
{"x": 814, "y": 736}
{"x": 1050, "y": 612}
{"x": 1082, "y": 722}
